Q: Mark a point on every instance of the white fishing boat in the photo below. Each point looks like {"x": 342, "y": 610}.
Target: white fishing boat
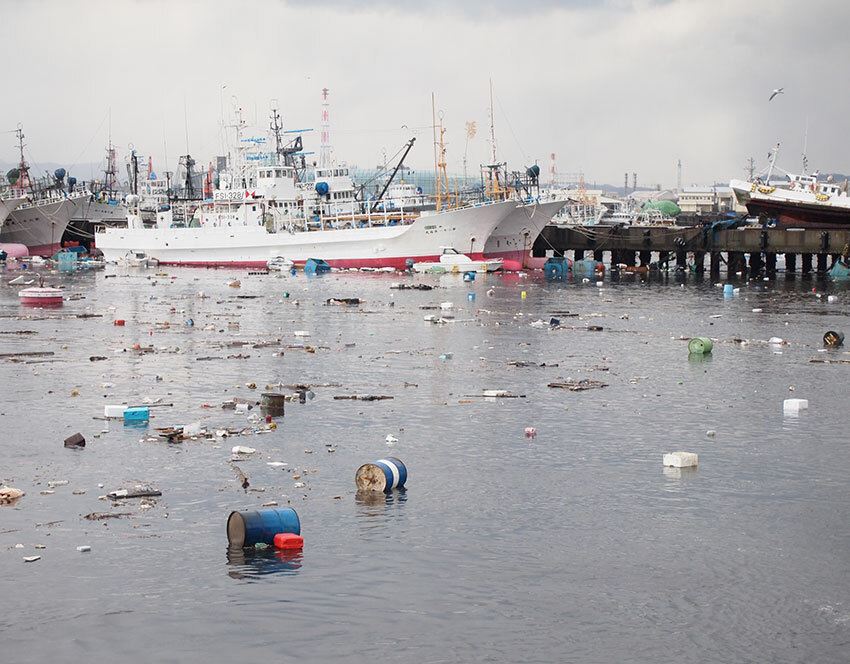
{"x": 803, "y": 202}
{"x": 279, "y": 264}
{"x": 40, "y": 223}
{"x": 137, "y": 259}
{"x": 40, "y": 219}
{"x": 451, "y": 260}
{"x": 261, "y": 211}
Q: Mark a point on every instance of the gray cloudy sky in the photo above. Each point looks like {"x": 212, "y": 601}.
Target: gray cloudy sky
{"x": 610, "y": 87}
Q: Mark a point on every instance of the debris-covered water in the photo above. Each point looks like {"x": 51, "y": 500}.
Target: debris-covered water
{"x": 574, "y": 545}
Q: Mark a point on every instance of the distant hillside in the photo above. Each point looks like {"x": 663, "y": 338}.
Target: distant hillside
{"x": 83, "y": 172}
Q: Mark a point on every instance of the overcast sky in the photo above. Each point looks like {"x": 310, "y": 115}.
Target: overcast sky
{"x": 609, "y": 87}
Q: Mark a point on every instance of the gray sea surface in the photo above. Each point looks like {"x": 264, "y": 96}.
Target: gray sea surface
{"x": 572, "y": 546}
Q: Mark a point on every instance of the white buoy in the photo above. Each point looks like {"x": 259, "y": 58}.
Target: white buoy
{"x": 680, "y": 459}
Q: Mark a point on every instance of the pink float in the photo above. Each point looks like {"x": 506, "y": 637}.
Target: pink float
{"x": 41, "y": 296}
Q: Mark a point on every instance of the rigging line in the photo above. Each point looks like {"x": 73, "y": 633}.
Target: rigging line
{"x": 96, "y": 131}
{"x": 513, "y": 133}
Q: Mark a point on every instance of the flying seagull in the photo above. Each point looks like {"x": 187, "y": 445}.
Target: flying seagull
{"x": 777, "y": 91}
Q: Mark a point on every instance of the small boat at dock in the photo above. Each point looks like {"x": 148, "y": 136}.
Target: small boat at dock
{"x": 451, "y": 260}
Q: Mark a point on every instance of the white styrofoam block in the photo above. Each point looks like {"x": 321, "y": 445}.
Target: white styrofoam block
{"x": 114, "y": 411}
{"x": 680, "y": 459}
{"x": 794, "y": 406}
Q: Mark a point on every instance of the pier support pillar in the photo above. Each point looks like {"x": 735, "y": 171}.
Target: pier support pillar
{"x": 755, "y": 264}
{"x": 807, "y": 263}
{"x": 822, "y": 263}
{"x": 735, "y": 262}
{"x": 790, "y": 262}
{"x": 770, "y": 264}
{"x": 663, "y": 258}
{"x": 714, "y": 264}
{"x": 699, "y": 261}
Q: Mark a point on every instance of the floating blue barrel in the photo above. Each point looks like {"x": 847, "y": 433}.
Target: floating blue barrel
{"x": 469, "y": 276}
{"x": 250, "y": 528}
{"x": 382, "y": 475}
{"x": 556, "y": 268}
{"x": 316, "y": 266}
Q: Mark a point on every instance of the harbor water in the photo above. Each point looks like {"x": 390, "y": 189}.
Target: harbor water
{"x": 572, "y": 545}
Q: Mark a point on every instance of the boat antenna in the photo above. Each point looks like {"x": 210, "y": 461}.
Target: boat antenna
{"x": 805, "y": 148}
{"x": 492, "y": 123}
{"x": 186, "y": 122}
{"x": 110, "y": 173}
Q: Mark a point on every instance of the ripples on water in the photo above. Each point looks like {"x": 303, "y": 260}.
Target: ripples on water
{"x": 572, "y": 546}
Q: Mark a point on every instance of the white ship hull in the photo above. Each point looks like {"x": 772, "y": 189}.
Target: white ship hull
{"x": 93, "y": 210}
{"x": 513, "y": 238}
{"x": 466, "y": 229}
{"x": 7, "y": 205}
{"x": 40, "y": 225}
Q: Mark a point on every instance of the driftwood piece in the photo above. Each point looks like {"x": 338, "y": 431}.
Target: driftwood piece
{"x": 579, "y": 385}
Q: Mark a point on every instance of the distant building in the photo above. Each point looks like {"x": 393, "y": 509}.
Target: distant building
{"x": 708, "y": 200}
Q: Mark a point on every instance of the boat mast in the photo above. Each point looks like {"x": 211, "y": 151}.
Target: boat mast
{"x": 436, "y": 171}
{"x": 443, "y": 191}
{"x": 494, "y": 185}
{"x": 276, "y": 128}
{"x": 775, "y": 152}
{"x": 23, "y": 166}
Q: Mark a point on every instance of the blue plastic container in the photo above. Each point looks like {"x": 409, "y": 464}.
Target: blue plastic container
{"x": 260, "y": 527}
{"x": 728, "y": 289}
{"x": 382, "y": 475}
{"x": 584, "y": 268}
{"x": 469, "y": 276}
{"x": 316, "y": 266}
{"x": 137, "y": 414}
{"x": 556, "y": 268}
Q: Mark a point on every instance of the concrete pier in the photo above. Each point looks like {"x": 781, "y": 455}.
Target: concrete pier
{"x": 635, "y": 245}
